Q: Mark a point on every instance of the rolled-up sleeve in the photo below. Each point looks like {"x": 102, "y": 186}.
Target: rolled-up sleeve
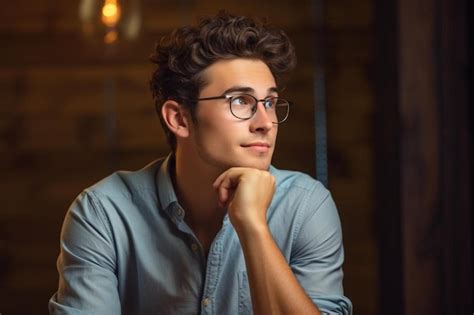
{"x": 318, "y": 254}
{"x": 86, "y": 263}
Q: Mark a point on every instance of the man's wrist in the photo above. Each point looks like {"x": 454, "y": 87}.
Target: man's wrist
{"x": 251, "y": 228}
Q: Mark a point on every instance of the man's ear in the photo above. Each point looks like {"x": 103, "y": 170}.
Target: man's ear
{"x": 175, "y": 117}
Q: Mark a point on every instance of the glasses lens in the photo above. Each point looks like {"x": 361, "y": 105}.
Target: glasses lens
{"x": 242, "y": 106}
{"x": 281, "y": 108}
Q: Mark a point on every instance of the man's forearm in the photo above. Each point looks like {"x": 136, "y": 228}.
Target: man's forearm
{"x": 274, "y": 289}
{"x": 273, "y": 286}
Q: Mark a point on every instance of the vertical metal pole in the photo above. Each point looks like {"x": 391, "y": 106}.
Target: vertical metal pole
{"x": 110, "y": 103}
{"x": 319, "y": 91}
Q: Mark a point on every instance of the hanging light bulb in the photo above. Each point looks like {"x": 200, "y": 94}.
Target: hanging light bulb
{"x": 111, "y": 13}
{"x": 110, "y": 20}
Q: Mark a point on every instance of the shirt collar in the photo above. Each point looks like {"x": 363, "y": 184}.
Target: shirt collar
{"x": 166, "y": 193}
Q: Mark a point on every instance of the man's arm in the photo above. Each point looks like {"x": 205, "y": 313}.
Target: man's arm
{"x": 86, "y": 263}
{"x": 317, "y": 254}
{"x": 274, "y": 288}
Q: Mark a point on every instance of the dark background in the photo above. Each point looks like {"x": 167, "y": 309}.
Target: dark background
{"x": 396, "y": 77}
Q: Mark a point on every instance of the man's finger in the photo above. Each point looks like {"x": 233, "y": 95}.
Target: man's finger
{"x": 228, "y": 178}
{"x": 224, "y": 186}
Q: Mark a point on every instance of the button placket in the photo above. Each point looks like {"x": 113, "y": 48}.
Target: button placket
{"x": 214, "y": 261}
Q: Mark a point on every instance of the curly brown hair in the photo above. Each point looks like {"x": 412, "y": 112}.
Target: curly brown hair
{"x": 181, "y": 57}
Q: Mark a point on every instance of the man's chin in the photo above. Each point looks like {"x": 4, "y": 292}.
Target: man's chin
{"x": 259, "y": 164}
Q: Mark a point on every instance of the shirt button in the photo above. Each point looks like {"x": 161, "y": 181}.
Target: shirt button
{"x": 205, "y": 302}
{"x": 194, "y": 247}
{"x": 180, "y": 212}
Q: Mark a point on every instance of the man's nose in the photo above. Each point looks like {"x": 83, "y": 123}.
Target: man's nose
{"x": 261, "y": 121}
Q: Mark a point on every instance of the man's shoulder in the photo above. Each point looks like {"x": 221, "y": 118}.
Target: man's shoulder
{"x": 127, "y": 183}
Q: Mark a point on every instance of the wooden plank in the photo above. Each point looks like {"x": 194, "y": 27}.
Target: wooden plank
{"x": 387, "y": 160}
{"x": 426, "y": 220}
{"x": 349, "y": 14}
{"x": 456, "y": 140}
{"x": 419, "y": 157}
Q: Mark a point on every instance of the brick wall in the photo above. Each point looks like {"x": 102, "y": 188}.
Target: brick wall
{"x": 71, "y": 113}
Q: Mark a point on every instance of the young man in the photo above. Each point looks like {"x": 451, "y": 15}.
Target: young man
{"x": 213, "y": 228}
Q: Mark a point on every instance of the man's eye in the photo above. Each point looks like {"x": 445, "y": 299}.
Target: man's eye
{"x": 241, "y": 100}
{"x": 270, "y": 102}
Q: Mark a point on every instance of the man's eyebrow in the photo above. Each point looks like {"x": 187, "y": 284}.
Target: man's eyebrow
{"x": 273, "y": 89}
{"x": 243, "y": 89}
{"x": 247, "y": 89}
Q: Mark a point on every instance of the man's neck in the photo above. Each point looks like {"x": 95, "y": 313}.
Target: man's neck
{"x": 193, "y": 186}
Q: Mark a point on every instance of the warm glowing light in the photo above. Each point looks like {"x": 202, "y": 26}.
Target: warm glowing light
{"x": 111, "y": 13}
{"x": 109, "y": 10}
{"x": 110, "y": 37}
{"x": 110, "y": 21}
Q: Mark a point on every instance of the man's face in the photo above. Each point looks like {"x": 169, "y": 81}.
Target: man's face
{"x": 221, "y": 140}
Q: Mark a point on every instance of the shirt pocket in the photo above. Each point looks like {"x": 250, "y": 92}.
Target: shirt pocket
{"x": 245, "y": 302}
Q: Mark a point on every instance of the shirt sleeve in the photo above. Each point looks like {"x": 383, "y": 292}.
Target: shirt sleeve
{"x": 318, "y": 254}
{"x": 86, "y": 263}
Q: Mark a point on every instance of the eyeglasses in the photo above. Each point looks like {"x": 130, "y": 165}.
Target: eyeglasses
{"x": 244, "y": 106}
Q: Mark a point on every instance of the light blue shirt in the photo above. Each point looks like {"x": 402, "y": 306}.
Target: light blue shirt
{"x": 126, "y": 249}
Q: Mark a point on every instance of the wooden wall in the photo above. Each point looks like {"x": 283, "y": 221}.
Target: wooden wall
{"x": 350, "y": 98}
{"x": 71, "y": 112}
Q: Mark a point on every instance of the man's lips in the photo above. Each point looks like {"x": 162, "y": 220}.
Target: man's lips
{"x": 260, "y": 147}
{"x": 256, "y": 144}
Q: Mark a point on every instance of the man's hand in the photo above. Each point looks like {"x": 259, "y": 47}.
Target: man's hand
{"x": 247, "y": 194}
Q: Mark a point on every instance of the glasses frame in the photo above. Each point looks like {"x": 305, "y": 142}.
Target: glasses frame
{"x": 229, "y": 97}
